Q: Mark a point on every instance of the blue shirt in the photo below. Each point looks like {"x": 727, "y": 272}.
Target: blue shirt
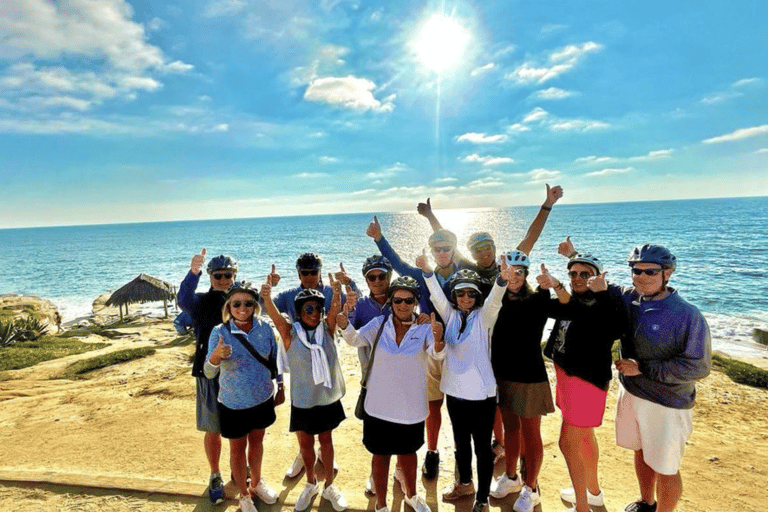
{"x": 366, "y": 310}
{"x": 284, "y": 300}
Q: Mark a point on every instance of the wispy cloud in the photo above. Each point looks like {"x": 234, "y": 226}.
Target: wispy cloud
{"x": 387, "y": 172}
{"x": 761, "y": 151}
{"x": 447, "y": 179}
{"x": 485, "y": 183}
{"x": 741, "y": 133}
{"x": 553, "y": 93}
{"x": 543, "y": 175}
{"x": 609, "y": 172}
{"x": 554, "y": 124}
{"x": 594, "y": 159}
{"x": 310, "y": 175}
{"x": 348, "y": 92}
{"x": 651, "y": 155}
{"x": 481, "y": 138}
{"x": 747, "y": 81}
{"x": 537, "y": 114}
{"x": 486, "y": 160}
{"x": 482, "y": 70}
{"x": 720, "y": 97}
{"x": 559, "y": 62}
{"x": 328, "y": 160}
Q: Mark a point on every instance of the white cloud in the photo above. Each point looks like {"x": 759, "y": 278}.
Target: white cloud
{"x": 720, "y": 97}
{"x": 328, "y": 159}
{"x": 348, "y": 92}
{"x": 224, "y": 8}
{"x": 155, "y": 25}
{"x": 741, "y": 133}
{"x": 518, "y": 127}
{"x": 537, "y": 114}
{"x": 310, "y": 175}
{"x": 747, "y": 81}
{"x": 609, "y": 172}
{"x": 552, "y": 27}
{"x": 481, "y": 138}
{"x": 543, "y": 175}
{"x": 577, "y": 125}
{"x": 364, "y": 191}
{"x": 486, "y": 160}
{"x": 485, "y": 183}
{"x": 220, "y": 128}
{"x": 483, "y": 69}
{"x": 651, "y": 155}
{"x": 387, "y": 172}
{"x": 447, "y": 179}
{"x": 761, "y": 151}
{"x": 594, "y": 159}
{"x": 654, "y": 155}
{"x": 560, "y": 61}
{"x": 553, "y": 93}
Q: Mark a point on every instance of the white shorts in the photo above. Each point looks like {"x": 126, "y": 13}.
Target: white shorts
{"x": 661, "y": 432}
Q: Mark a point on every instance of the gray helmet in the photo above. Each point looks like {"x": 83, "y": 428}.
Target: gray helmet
{"x": 479, "y": 238}
{"x": 307, "y": 295}
{"x": 467, "y": 278}
{"x": 222, "y": 262}
{"x": 376, "y": 262}
{"x": 650, "y": 253}
{"x": 442, "y": 235}
{"x": 309, "y": 261}
{"x": 515, "y": 257}
{"x": 244, "y": 287}
{"x": 404, "y": 283}
{"x": 587, "y": 259}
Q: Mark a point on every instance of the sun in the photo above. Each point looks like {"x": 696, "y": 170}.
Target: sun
{"x": 441, "y": 43}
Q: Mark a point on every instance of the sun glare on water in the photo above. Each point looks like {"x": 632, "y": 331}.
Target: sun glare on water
{"x": 441, "y": 43}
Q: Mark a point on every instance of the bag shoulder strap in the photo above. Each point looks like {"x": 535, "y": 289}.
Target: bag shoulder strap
{"x": 242, "y": 339}
{"x": 373, "y": 352}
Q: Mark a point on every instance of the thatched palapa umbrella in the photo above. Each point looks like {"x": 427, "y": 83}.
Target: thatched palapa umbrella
{"x": 142, "y": 289}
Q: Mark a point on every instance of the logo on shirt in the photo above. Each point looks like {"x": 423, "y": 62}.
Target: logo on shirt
{"x": 655, "y": 327}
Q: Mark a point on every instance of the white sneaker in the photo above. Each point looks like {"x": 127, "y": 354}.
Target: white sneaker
{"x": 382, "y": 509}
{"x": 505, "y": 486}
{"x": 246, "y": 504}
{"x": 264, "y": 493}
{"x": 527, "y": 500}
{"x": 305, "y": 498}
{"x": 417, "y": 503}
{"x": 400, "y": 477}
{"x": 369, "y": 488}
{"x": 295, "y": 468}
{"x": 569, "y": 496}
{"x": 332, "y": 494}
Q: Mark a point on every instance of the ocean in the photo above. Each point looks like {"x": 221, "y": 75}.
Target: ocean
{"x": 721, "y": 246}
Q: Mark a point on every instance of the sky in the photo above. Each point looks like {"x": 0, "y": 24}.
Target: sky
{"x": 133, "y": 111}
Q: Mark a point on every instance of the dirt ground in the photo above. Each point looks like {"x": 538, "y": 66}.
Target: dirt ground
{"x": 125, "y": 440}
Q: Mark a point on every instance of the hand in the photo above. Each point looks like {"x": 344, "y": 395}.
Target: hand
{"x": 424, "y": 209}
{"x": 597, "y": 283}
{"x": 266, "y": 288}
{"x": 545, "y": 279}
{"x": 422, "y": 263}
{"x": 553, "y": 194}
{"x": 334, "y": 284}
{"x": 351, "y": 301}
{"x": 566, "y": 247}
{"x": 196, "y": 266}
{"x": 274, "y": 277}
{"x": 628, "y": 367}
{"x": 422, "y": 319}
{"x": 374, "y": 229}
{"x": 280, "y": 395}
{"x": 342, "y": 319}
{"x": 342, "y": 276}
{"x": 437, "y": 330}
{"x": 222, "y": 351}
{"x": 507, "y": 271}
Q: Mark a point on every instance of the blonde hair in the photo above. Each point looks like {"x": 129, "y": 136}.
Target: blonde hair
{"x": 226, "y": 314}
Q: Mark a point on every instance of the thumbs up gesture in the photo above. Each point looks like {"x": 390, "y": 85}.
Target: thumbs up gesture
{"x": 374, "y": 229}
{"x": 274, "y": 277}
{"x": 545, "y": 279}
{"x": 221, "y": 352}
{"x": 437, "y": 332}
{"x": 196, "y": 266}
{"x": 342, "y": 276}
{"x": 422, "y": 263}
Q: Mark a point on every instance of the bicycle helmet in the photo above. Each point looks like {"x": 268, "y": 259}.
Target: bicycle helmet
{"x": 650, "y": 253}
{"x": 442, "y": 235}
{"x": 309, "y": 261}
{"x": 307, "y": 295}
{"x": 404, "y": 283}
{"x": 242, "y": 286}
{"x": 479, "y": 238}
{"x": 518, "y": 258}
{"x": 587, "y": 259}
{"x": 222, "y": 262}
{"x": 464, "y": 279}
{"x": 376, "y": 262}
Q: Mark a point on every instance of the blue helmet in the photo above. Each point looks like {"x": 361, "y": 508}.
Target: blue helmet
{"x": 222, "y": 262}
{"x": 376, "y": 262}
{"x": 587, "y": 259}
{"x": 309, "y": 261}
{"x": 479, "y": 238}
{"x": 406, "y": 283}
{"x": 650, "y": 253}
{"x": 515, "y": 257}
{"x": 442, "y": 235}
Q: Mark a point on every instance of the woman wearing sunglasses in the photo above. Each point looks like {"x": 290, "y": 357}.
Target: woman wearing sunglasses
{"x": 246, "y": 403}
{"x": 586, "y": 325}
{"x": 317, "y": 384}
{"x": 396, "y": 400}
{"x": 468, "y": 380}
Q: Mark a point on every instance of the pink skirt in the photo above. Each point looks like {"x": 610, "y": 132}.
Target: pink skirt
{"x": 582, "y": 403}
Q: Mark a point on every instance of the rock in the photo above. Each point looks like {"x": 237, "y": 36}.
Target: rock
{"x": 26, "y": 306}
{"x": 760, "y": 336}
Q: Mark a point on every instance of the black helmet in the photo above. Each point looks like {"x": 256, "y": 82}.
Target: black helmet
{"x": 650, "y": 253}
{"x": 309, "y": 261}
{"x": 467, "y": 278}
{"x": 222, "y": 262}
{"x": 242, "y": 286}
{"x": 376, "y": 262}
{"x": 404, "y": 283}
{"x": 587, "y": 259}
{"x": 307, "y": 295}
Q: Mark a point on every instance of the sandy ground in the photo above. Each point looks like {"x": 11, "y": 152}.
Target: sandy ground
{"x": 125, "y": 440}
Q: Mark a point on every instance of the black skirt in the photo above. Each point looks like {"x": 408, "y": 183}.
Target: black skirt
{"x": 318, "y": 419}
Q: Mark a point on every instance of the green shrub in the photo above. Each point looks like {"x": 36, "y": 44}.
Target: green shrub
{"x": 8, "y": 333}
{"x": 81, "y": 369}
{"x": 741, "y": 372}
{"x": 45, "y": 348}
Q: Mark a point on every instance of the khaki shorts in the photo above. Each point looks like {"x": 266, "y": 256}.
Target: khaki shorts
{"x": 434, "y": 374}
{"x": 661, "y": 432}
{"x": 526, "y": 400}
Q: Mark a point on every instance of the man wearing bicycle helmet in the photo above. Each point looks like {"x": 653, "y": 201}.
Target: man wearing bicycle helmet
{"x": 205, "y": 310}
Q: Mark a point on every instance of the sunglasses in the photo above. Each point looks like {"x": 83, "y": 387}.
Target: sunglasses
{"x": 520, "y": 272}
{"x": 469, "y": 293}
{"x": 222, "y": 276}
{"x": 583, "y": 274}
{"x": 481, "y": 248}
{"x": 376, "y": 277}
{"x": 308, "y": 310}
{"x": 307, "y": 273}
{"x": 646, "y": 271}
{"x": 248, "y": 303}
{"x": 441, "y": 248}
{"x": 400, "y": 300}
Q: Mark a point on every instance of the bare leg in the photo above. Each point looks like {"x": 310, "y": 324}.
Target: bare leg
{"x": 237, "y": 449}
{"x": 380, "y": 472}
{"x": 498, "y": 428}
{"x": 511, "y": 440}
{"x": 531, "y": 433}
{"x": 212, "y": 443}
{"x": 669, "y": 488}
{"x": 434, "y": 420}
{"x": 307, "y": 448}
{"x": 580, "y": 450}
{"x": 408, "y": 463}
{"x": 255, "y": 454}
{"x": 327, "y": 454}
{"x": 646, "y": 479}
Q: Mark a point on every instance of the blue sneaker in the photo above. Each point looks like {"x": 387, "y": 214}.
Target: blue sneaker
{"x": 216, "y": 489}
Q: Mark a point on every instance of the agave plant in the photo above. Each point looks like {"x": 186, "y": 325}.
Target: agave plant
{"x": 8, "y": 334}
{"x": 29, "y": 329}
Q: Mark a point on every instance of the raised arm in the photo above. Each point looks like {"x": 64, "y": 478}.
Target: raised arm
{"x": 186, "y": 295}
{"x": 436, "y": 294}
{"x": 425, "y": 210}
{"x": 537, "y": 226}
{"x": 330, "y": 317}
{"x": 400, "y": 266}
{"x": 282, "y": 325}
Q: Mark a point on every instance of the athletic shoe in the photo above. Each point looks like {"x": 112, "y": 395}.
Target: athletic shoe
{"x": 216, "y": 488}
{"x": 295, "y": 468}
{"x": 382, "y": 509}
{"x": 400, "y": 478}
{"x": 505, "y": 486}
{"x": 480, "y": 506}
{"x": 572, "y": 509}
{"x": 417, "y": 503}
{"x": 264, "y": 493}
{"x": 305, "y": 498}
{"x": 246, "y": 504}
{"x": 527, "y": 500}
{"x": 498, "y": 451}
{"x": 369, "y": 488}
{"x": 569, "y": 496}
{"x": 640, "y": 506}
{"x": 457, "y": 491}
{"x": 431, "y": 465}
{"x": 332, "y": 494}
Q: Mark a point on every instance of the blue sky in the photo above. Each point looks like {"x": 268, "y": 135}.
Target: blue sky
{"x": 115, "y": 111}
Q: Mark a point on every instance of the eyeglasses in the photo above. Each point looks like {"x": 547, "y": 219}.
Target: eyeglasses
{"x": 248, "y": 303}
{"x": 583, "y": 274}
{"x": 400, "y": 300}
{"x": 307, "y": 273}
{"x": 469, "y": 293}
{"x": 226, "y": 275}
{"x": 442, "y": 248}
{"x": 308, "y": 310}
{"x": 481, "y": 248}
{"x": 376, "y": 277}
{"x": 646, "y": 271}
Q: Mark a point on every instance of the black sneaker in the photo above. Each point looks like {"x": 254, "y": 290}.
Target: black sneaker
{"x": 431, "y": 465}
{"x": 480, "y": 506}
{"x": 640, "y": 506}
{"x": 216, "y": 489}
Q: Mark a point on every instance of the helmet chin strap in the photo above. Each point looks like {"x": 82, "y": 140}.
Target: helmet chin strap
{"x": 413, "y": 319}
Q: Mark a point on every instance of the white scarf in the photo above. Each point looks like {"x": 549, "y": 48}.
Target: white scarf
{"x": 321, "y": 371}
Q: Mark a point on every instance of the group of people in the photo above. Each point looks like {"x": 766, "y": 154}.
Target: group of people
{"x": 465, "y": 332}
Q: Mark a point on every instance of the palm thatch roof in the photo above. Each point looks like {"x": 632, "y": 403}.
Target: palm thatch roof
{"x": 142, "y": 289}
